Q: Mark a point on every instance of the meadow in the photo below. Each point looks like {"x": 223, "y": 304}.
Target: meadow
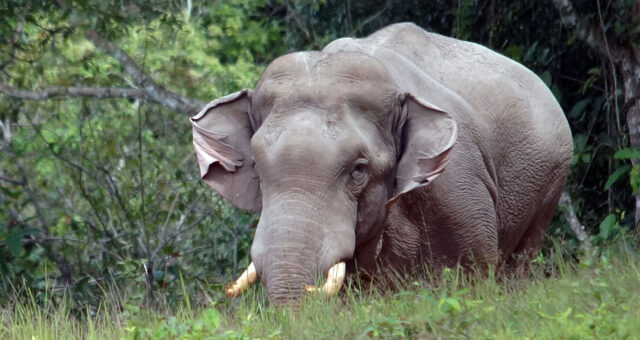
{"x": 596, "y": 298}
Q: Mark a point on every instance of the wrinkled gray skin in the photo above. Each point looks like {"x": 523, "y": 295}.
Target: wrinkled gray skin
{"x": 400, "y": 149}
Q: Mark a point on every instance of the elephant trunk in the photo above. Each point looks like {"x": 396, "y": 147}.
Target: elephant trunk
{"x": 289, "y": 265}
{"x": 285, "y": 285}
{"x": 293, "y": 253}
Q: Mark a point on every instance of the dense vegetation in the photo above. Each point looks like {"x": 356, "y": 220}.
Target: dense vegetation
{"x": 100, "y": 194}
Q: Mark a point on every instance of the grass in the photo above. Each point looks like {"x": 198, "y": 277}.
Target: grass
{"x": 597, "y": 298}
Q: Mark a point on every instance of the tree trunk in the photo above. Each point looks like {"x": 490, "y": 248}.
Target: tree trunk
{"x": 630, "y": 71}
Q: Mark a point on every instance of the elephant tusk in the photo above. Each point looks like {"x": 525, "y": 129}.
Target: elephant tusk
{"x": 243, "y": 283}
{"x": 335, "y": 278}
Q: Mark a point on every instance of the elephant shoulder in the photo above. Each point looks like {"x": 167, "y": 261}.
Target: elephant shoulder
{"x": 400, "y": 35}
{"x": 343, "y": 45}
{"x": 399, "y": 32}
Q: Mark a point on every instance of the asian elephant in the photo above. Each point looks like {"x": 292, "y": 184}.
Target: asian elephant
{"x": 402, "y": 149}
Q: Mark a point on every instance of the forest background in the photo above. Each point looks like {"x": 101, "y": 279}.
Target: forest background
{"x": 98, "y": 179}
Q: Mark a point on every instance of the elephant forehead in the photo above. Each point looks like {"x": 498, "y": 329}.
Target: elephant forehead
{"x": 304, "y": 131}
{"x": 284, "y": 97}
{"x": 329, "y": 93}
{"x": 313, "y": 139}
{"x": 351, "y": 65}
{"x": 327, "y": 81}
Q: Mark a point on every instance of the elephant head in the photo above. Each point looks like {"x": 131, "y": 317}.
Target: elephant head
{"x": 323, "y": 147}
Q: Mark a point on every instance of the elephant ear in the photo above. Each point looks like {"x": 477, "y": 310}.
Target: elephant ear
{"x": 427, "y": 136}
{"x": 222, "y": 138}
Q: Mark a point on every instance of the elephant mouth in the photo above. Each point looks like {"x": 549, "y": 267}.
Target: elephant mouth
{"x": 335, "y": 279}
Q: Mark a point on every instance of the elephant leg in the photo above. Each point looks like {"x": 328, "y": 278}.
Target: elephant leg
{"x": 520, "y": 260}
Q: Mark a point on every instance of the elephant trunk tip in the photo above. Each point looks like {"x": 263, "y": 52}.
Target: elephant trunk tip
{"x": 290, "y": 290}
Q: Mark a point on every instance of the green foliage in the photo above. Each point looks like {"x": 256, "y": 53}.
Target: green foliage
{"x": 595, "y": 299}
{"x": 109, "y": 188}
{"x": 627, "y": 153}
{"x": 607, "y": 226}
{"x": 205, "y": 326}
{"x": 633, "y": 172}
{"x": 616, "y": 175}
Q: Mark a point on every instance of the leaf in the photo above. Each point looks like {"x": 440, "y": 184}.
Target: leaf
{"x": 627, "y": 153}
{"x": 544, "y": 56}
{"x": 449, "y": 305}
{"x": 546, "y": 78}
{"x": 595, "y": 75}
{"x": 579, "y": 143}
{"x": 565, "y": 314}
{"x": 595, "y": 71}
{"x": 14, "y": 241}
{"x": 49, "y": 136}
{"x": 513, "y": 52}
{"x": 56, "y": 148}
{"x": 455, "y": 305}
{"x": 35, "y": 255}
{"x": 158, "y": 275}
{"x": 529, "y": 55}
{"x": 616, "y": 175}
{"x": 606, "y": 226}
{"x": 578, "y": 108}
{"x": 45, "y": 166}
{"x": 168, "y": 250}
{"x": 556, "y": 92}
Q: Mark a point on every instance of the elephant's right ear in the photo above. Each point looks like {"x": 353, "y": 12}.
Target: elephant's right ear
{"x": 427, "y": 134}
{"x": 222, "y": 138}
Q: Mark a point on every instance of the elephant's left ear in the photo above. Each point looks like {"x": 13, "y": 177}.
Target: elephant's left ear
{"x": 427, "y": 136}
{"x": 222, "y": 139}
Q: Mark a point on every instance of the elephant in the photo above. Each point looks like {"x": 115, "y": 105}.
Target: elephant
{"x": 403, "y": 149}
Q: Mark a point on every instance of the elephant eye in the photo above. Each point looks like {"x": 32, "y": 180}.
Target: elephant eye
{"x": 359, "y": 172}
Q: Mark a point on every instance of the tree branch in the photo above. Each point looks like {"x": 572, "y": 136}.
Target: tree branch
{"x": 55, "y": 91}
{"x": 153, "y": 90}
{"x": 574, "y": 223}
{"x": 9, "y": 180}
{"x": 149, "y": 88}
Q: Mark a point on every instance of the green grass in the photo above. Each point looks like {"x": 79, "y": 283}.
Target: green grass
{"x": 595, "y": 299}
